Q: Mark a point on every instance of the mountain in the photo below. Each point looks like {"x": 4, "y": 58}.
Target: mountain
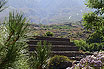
{"x": 48, "y": 11}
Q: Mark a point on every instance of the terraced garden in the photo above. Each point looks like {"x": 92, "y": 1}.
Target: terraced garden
{"x": 60, "y": 46}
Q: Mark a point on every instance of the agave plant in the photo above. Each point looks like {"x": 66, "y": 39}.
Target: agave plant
{"x": 40, "y": 56}
{"x": 12, "y": 43}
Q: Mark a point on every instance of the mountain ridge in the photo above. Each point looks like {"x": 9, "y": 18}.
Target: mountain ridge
{"x": 49, "y": 11}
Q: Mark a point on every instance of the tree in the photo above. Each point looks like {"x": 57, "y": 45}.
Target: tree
{"x": 94, "y": 21}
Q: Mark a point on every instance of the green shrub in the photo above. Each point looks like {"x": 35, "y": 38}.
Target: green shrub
{"x": 35, "y": 34}
{"x": 59, "y": 62}
{"x": 49, "y": 33}
{"x": 83, "y": 45}
{"x": 95, "y": 37}
{"x": 96, "y": 47}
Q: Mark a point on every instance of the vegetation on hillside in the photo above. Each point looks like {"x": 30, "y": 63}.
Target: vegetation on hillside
{"x": 71, "y": 31}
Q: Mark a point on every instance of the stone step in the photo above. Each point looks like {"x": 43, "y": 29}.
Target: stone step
{"x": 52, "y": 42}
{"x": 77, "y": 58}
{"x": 69, "y": 53}
{"x": 49, "y": 38}
{"x": 73, "y": 55}
{"x": 60, "y": 46}
{"x": 69, "y": 48}
{"x": 72, "y": 44}
{"x": 57, "y": 48}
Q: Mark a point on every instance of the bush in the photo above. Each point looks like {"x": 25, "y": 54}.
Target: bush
{"x": 95, "y": 37}
{"x": 83, "y": 45}
{"x": 49, "y": 34}
{"x": 59, "y": 62}
{"x": 96, "y": 47}
{"x": 35, "y": 34}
